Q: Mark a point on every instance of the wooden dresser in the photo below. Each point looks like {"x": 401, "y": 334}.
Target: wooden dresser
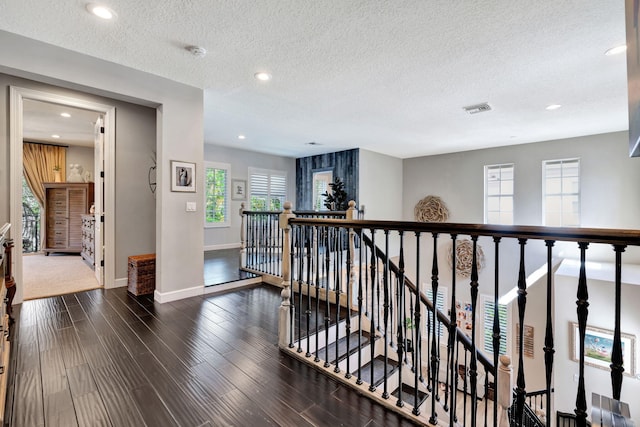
{"x": 65, "y": 203}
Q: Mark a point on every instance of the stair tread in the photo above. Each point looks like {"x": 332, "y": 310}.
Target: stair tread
{"x": 408, "y": 395}
{"x": 378, "y": 370}
{"x": 342, "y": 347}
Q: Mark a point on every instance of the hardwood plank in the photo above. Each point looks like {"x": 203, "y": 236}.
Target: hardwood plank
{"x": 117, "y": 400}
{"x": 81, "y": 381}
{"x": 54, "y": 375}
{"x": 153, "y": 410}
{"x": 71, "y": 350}
{"x": 58, "y": 409}
{"x": 28, "y": 407}
{"x": 90, "y": 410}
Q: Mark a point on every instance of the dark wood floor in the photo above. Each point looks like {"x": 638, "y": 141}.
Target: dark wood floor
{"x": 223, "y": 266}
{"x": 106, "y": 358}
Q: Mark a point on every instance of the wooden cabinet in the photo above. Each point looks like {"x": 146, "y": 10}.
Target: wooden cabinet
{"x": 88, "y": 234}
{"x": 65, "y": 203}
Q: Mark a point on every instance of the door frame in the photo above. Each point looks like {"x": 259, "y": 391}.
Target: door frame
{"x": 17, "y": 95}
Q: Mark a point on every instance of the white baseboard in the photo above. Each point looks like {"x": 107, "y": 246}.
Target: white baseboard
{"x": 223, "y": 246}
{"x": 163, "y": 297}
{"x": 118, "y": 283}
{"x": 232, "y": 285}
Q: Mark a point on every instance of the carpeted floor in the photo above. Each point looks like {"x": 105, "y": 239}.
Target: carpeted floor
{"x": 56, "y": 274}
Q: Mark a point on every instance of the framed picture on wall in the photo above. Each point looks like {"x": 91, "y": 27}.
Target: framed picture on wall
{"x": 238, "y": 189}
{"x": 183, "y": 176}
{"x": 598, "y": 346}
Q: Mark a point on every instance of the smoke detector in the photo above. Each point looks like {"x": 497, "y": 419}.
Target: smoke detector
{"x": 478, "y": 108}
{"x": 197, "y": 51}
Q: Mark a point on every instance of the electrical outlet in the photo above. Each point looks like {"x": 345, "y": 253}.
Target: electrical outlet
{"x": 191, "y": 206}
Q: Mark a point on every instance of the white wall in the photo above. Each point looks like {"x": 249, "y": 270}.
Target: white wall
{"x": 179, "y": 136}
{"x": 380, "y": 184}
{"x": 601, "y": 314}
{"x": 241, "y": 161}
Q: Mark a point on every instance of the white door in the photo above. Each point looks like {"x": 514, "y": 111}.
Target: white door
{"x": 98, "y": 198}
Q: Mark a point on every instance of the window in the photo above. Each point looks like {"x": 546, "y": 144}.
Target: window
{"x": 321, "y": 181}
{"x": 487, "y": 330}
{"x": 442, "y": 297}
{"x": 267, "y": 189}
{"x": 561, "y": 184}
{"x": 216, "y": 203}
{"x": 498, "y": 194}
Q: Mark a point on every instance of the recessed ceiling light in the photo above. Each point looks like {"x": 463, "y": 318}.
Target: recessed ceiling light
{"x": 55, "y": 136}
{"x": 616, "y": 50}
{"x": 101, "y": 11}
{"x": 67, "y": 115}
{"x": 263, "y": 76}
{"x": 553, "y": 107}
{"x": 241, "y": 137}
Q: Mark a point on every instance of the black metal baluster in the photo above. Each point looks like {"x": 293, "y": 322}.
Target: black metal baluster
{"x": 486, "y": 393}
{"x": 583, "y": 311}
{"x": 385, "y": 284}
{"x": 418, "y": 338}
{"x": 318, "y": 268}
{"x": 360, "y": 298}
{"x": 496, "y": 326}
{"x": 473, "y": 371}
{"x": 434, "y": 345}
{"x": 372, "y": 387}
{"x": 402, "y": 324}
{"x": 269, "y": 266}
{"x": 327, "y": 311}
{"x": 308, "y": 246}
{"x": 350, "y": 237}
{"x": 300, "y": 252}
{"x": 453, "y": 331}
{"x": 548, "y": 337}
{"x": 337, "y": 274}
{"x": 617, "y": 361}
{"x": 521, "y": 391}
{"x": 291, "y": 270}
{"x": 464, "y": 391}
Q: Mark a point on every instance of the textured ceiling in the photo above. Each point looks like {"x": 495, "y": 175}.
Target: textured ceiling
{"x": 388, "y": 76}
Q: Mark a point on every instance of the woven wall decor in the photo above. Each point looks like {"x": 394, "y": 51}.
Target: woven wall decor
{"x": 431, "y": 209}
{"x": 464, "y": 257}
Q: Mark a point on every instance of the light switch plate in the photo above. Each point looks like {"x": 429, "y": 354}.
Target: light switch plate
{"x": 191, "y": 206}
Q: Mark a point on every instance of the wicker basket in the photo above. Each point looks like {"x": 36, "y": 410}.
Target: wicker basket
{"x": 142, "y": 274}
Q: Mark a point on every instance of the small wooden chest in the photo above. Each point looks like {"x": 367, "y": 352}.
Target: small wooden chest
{"x": 142, "y": 274}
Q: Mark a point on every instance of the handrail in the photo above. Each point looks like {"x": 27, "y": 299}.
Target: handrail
{"x": 590, "y": 235}
{"x": 461, "y": 336}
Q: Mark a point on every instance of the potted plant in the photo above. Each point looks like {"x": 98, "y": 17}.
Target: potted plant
{"x": 337, "y": 199}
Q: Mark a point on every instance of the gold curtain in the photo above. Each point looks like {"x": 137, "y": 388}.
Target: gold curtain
{"x": 39, "y": 161}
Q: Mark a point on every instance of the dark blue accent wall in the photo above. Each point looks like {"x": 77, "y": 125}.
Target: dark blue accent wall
{"x": 344, "y": 165}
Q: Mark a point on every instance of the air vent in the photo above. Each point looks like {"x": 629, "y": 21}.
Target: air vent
{"x": 478, "y": 108}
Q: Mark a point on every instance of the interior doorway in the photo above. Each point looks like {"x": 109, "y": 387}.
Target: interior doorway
{"x": 102, "y": 171}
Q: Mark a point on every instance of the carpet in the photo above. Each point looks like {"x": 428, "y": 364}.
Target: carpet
{"x": 56, "y": 274}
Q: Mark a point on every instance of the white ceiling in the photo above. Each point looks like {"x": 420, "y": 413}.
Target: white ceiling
{"x": 388, "y": 76}
{"x": 41, "y": 120}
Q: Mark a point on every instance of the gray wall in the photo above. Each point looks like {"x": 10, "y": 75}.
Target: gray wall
{"x": 84, "y": 156}
{"x": 380, "y": 188}
{"x": 241, "y": 161}
{"x": 135, "y": 141}
{"x": 344, "y": 165}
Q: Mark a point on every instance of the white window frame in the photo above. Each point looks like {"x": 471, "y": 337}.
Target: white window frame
{"x": 487, "y": 325}
{"x": 562, "y": 192}
{"x": 487, "y": 170}
{"x": 227, "y": 199}
{"x": 270, "y": 173}
{"x": 440, "y": 304}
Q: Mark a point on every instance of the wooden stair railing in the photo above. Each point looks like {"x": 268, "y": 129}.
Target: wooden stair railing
{"x": 318, "y": 262}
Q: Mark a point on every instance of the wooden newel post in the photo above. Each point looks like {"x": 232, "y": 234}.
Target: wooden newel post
{"x": 243, "y": 238}
{"x": 505, "y": 390}
{"x": 285, "y": 314}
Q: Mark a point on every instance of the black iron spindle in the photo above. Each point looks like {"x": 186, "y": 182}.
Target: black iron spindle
{"x": 327, "y": 312}
{"x": 548, "y": 337}
{"x": 300, "y": 252}
{"x": 616, "y": 356}
{"x": 319, "y": 263}
{"x": 453, "y": 326}
{"x": 473, "y": 369}
{"x": 308, "y": 246}
{"x": 385, "y": 284}
{"x": 372, "y": 386}
{"x": 417, "y": 338}
{"x": 582, "y": 310}
{"x": 291, "y": 270}
{"x": 433, "y": 419}
{"x": 360, "y": 298}
{"x": 496, "y": 325}
{"x": 522, "y": 303}
{"x": 350, "y": 237}
{"x": 402, "y": 323}
{"x": 337, "y": 285}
